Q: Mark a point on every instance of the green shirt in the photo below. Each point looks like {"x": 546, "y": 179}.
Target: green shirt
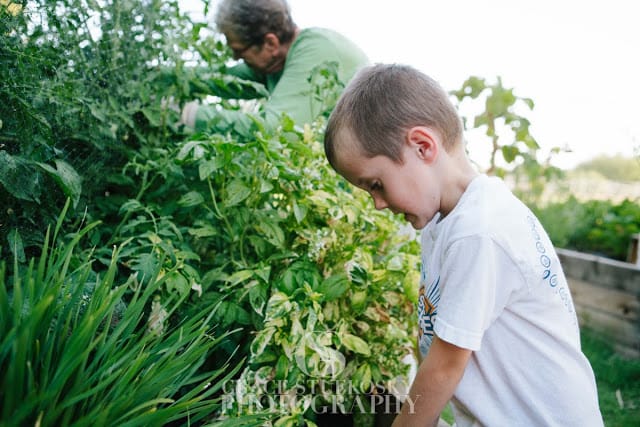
{"x": 290, "y": 90}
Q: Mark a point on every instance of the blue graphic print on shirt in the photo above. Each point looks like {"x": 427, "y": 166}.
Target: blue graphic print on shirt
{"x": 428, "y": 299}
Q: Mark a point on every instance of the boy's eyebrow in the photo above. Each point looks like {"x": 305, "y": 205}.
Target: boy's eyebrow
{"x": 361, "y": 182}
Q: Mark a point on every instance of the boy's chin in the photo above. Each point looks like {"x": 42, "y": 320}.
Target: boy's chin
{"x": 415, "y": 222}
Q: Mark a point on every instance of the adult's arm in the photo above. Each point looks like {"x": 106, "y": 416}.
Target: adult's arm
{"x": 436, "y": 380}
{"x": 292, "y": 92}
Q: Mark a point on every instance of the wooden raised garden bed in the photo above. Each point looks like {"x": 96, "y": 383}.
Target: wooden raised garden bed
{"x": 606, "y": 294}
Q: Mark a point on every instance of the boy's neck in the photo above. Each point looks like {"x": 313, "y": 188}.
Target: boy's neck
{"x": 458, "y": 176}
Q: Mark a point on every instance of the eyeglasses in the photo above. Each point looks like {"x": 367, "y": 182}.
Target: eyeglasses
{"x": 237, "y": 53}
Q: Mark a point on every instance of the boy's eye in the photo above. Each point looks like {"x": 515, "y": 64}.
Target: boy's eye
{"x": 375, "y": 186}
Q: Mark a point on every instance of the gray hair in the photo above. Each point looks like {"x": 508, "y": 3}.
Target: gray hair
{"x": 251, "y": 20}
{"x": 382, "y": 103}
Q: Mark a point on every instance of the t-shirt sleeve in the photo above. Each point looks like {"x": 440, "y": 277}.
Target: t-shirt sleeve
{"x": 472, "y": 295}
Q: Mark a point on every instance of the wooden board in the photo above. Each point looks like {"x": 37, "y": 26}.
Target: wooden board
{"x": 611, "y": 312}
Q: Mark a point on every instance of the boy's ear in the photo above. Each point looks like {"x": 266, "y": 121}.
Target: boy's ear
{"x": 423, "y": 141}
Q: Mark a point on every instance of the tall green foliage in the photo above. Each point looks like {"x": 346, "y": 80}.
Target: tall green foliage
{"x": 73, "y": 353}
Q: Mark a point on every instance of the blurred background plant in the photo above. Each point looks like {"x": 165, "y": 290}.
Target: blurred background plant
{"x": 513, "y": 150}
{"x": 595, "y": 226}
{"x": 602, "y": 227}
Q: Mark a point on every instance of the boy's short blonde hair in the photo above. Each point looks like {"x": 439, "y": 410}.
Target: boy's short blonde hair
{"x": 382, "y": 103}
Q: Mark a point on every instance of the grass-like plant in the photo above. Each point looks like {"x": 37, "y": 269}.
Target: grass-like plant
{"x": 73, "y": 358}
{"x": 618, "y": 380}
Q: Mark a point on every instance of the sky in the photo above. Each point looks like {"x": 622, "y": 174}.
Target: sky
{"x": 578, "y": 60}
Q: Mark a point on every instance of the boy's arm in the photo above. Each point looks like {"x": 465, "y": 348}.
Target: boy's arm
{"x": 436, "y": 380}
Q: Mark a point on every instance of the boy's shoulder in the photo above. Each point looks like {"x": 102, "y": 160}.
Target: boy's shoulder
{"x": 487, "y": 207}
{"x": 488, "y": 211}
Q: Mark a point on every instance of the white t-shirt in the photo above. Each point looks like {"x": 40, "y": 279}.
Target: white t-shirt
{"x": 492, "y": 283}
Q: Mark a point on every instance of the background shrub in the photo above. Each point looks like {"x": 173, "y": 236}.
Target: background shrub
{"x": 597, "y": 226}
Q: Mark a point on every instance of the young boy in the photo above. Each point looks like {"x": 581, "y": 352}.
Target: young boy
{"x": 499, "y": 335}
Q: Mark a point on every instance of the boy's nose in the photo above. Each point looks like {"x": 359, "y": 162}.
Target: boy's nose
{"x": 379, "y": 203}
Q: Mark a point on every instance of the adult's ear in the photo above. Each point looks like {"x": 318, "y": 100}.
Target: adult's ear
{"x": 271, "y": 41}
{"x": 423, "y": 142}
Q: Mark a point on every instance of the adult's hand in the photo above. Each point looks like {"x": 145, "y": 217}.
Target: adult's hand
{"x": 188, "y": 114}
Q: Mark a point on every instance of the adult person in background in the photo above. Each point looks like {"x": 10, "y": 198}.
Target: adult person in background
{"x": 280, "y": 56}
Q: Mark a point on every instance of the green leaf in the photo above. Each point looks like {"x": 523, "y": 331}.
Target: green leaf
{"x": 334, "y": 286}
{"x": 288, "y": 282}
{"x": 192, "y": 147}
{"x": 207, "y": 167}
{"x": 256, "y": 420}
{"x": 263, "y": 272}
{"x": 529, "y": 102}
{"x": 146, "y": 265}
{"x": 131, "y": 205}
{"x": 97, "y": 112}
{"x": 233, "y": 313}
{"x": 288, "y": 421}
{"x": 204, "y": 231}
{"x": 509, "y": 153}
{"x": 236, "y": 193}
{"x": 472, "y": 88}
{"x": 481, "y": 120}
{"x": 239, "y": 277}
{"x": 363, "y": 378}
{"x": 215, "y": 275}
{"x": 410, "y": 285}
{"x": 20, "y": 177}
{"x": 530, "y": 142}
{"x": 67, "y": 178}
{"x": 498, "y": 103}
{"x": 261, "y": 341}
{"x": 265, "y": 186}
{"x": 258, "y": 298}
{"x": 395, "y": 263}
{"x": 192, "y": 198}
{"x": 282, "y": 367}
{"x": 15, "y": 245}
{"x": 153, "y": 115}
{"x": 299, "y": 211}
{"x": 277, "y": 306}
{"x": 272, "y": 232}
{"x": 177, "y": 282}
{"x": 355, "y": 344}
